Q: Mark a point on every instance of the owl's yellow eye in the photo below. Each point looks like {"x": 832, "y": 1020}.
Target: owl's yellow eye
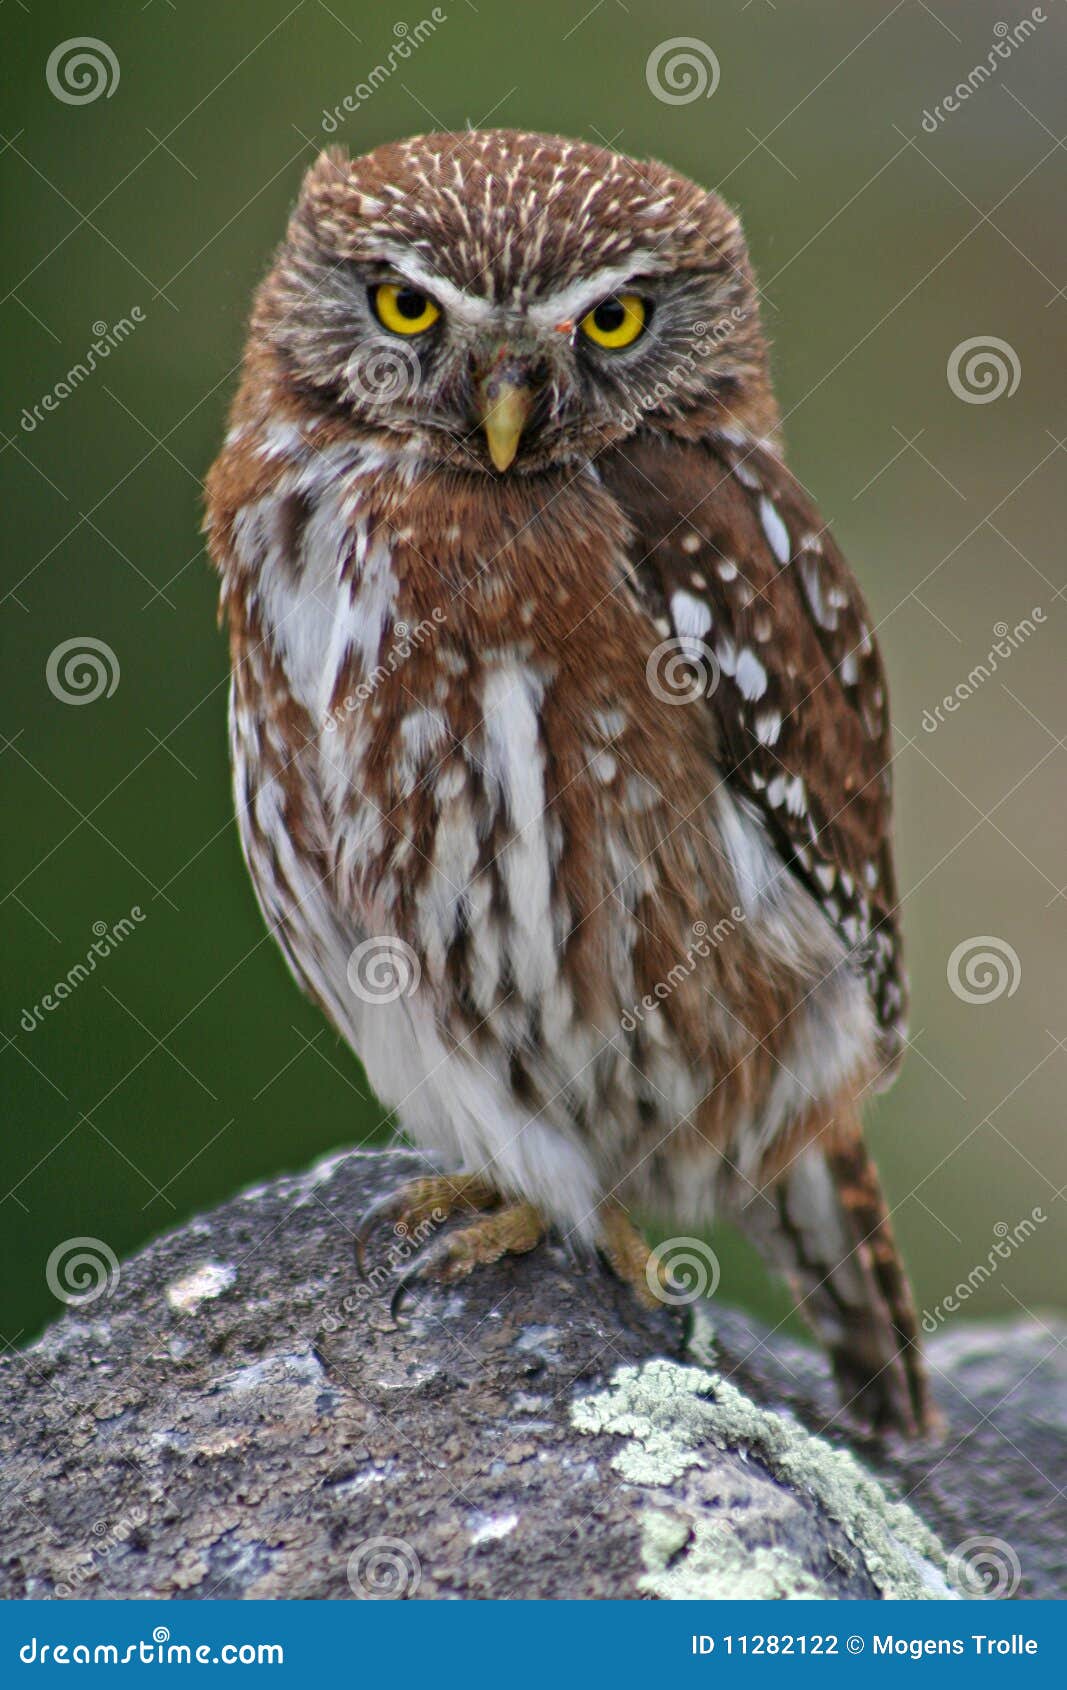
{"x": 616, "y": 322}
{"x": 404, "y": 310}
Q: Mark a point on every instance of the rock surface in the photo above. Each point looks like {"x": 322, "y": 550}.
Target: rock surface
{"x": 236, "y": 1416}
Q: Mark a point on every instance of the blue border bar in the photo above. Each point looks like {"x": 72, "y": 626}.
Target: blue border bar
{"x": 515, "y": 1645}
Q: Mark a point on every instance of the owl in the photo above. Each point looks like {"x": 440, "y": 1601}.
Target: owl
{"x": 559, "y": 730}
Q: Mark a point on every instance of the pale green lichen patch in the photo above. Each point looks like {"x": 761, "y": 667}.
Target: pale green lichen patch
{"x": 663, "y": 1538}
{"x": 668, "y": 1414}
{"x": 657, "y": 1410}
{"x": 902, "y": 1555}
{"x": 716, "y": 1566}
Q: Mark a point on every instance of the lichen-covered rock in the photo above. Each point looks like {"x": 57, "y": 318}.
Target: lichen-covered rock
{"x": 238, "y": 1416}
{"x": 671, "y": 1416}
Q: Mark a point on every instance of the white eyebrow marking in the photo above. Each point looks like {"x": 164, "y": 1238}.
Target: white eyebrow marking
{"x": 577, "y": 298}
{"x": 467, "y": 307}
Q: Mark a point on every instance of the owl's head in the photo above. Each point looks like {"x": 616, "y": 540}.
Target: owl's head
{"x": 515, "y": 301}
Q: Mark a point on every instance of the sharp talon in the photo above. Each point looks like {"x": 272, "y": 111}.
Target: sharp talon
{"x": 383, "y": 1208}
{"x": 403, "y": 1287}
{"x": 396, "y": 1302}
{"x": 422, "y": 1201}
{"x": 432, "y": 1262}
{"x": 510, "y": 1231}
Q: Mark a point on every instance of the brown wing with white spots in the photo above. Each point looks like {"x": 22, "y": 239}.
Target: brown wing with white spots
{"x": 738, "y": 569}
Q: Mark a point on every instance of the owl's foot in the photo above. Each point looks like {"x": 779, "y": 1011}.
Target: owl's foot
{"x": 629, "y": 1255}
{"x": 420, "y": 1205}
{"x": 510, "y": 1231}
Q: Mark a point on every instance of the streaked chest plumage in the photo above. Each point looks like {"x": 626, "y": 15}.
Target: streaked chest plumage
{"x": 445, "y": 741}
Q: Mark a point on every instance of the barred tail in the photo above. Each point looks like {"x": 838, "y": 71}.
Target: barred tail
{"x": 823, "y": 1220}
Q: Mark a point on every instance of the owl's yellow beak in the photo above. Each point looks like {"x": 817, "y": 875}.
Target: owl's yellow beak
{"x": 505, "y": 406}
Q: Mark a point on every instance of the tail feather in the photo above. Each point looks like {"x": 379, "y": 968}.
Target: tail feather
{"x": 824, "y": 1222}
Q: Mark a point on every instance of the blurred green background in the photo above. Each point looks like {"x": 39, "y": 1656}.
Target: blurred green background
{"x": 188, "y": 1064}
